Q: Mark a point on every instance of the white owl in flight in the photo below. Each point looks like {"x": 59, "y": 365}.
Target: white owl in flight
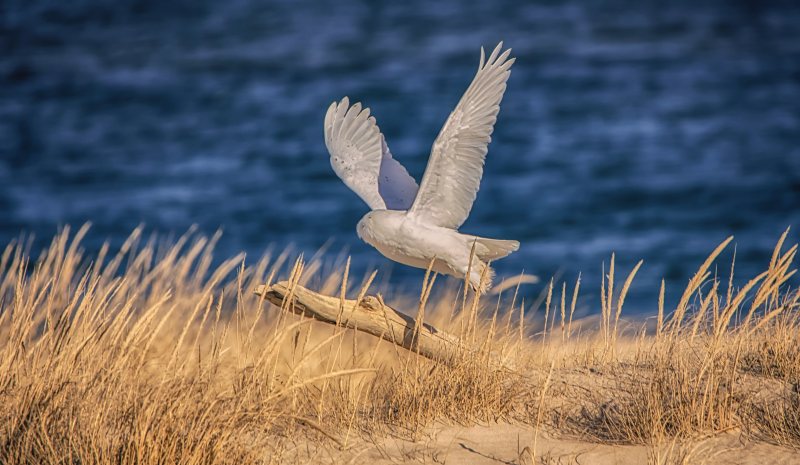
{"x": 415, "y": 225}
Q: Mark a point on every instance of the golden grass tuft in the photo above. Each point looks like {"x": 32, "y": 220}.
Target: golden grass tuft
{"x": 149, "y": 354}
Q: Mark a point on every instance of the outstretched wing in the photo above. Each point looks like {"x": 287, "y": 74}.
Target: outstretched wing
{"x": 354, "y": 142}
{"x": 455, "y": 167}
{"x": 360, "y": 157}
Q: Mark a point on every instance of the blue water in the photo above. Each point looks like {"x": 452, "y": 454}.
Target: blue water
{"x": 649, "y": 130}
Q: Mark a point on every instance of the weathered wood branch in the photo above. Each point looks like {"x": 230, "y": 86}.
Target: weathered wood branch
{"x": 370, "y": 315}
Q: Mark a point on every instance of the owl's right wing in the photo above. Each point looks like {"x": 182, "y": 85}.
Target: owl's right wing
{"x": 361, "y": 158}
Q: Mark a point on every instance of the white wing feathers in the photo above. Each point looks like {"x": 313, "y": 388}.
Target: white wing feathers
{"x": 360, "y": 157}
{"x": 453, "y": 175}
{"x": 354, "y": 142}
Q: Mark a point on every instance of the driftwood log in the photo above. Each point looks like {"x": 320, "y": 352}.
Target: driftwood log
{"x": 369, "y": 315}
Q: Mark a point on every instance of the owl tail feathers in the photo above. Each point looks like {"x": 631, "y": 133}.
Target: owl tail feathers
{"x": 494, "y": 249}
{"x": 486, "y": 250}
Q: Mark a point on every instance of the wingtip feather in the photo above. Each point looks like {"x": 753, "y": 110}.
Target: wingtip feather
{"x": 329, "y": 117}
{"x": 495, "y": 52}
{"x": 502, "y": 58}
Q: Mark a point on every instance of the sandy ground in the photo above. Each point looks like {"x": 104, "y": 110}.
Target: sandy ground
{"x": 513, "y": 445}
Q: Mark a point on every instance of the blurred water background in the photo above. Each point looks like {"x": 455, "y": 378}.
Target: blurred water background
{"x": 650, "y": 129}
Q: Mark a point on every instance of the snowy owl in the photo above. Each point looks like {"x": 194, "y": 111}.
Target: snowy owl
{"x": 416, "y": 225}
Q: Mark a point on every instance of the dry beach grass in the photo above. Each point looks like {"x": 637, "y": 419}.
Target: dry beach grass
{"x": 148, "y": 355}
